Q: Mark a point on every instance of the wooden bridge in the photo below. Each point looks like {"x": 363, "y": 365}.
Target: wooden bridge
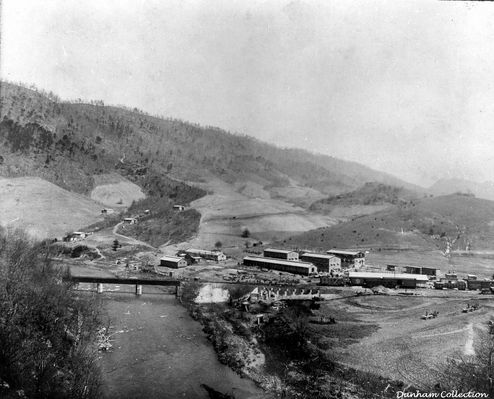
{"x": 138, "y": 282}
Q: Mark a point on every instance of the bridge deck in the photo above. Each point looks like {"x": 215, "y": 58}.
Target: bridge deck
{"x": 115, "y": 280}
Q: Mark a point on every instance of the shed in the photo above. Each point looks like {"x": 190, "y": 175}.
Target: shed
{"x": 173, "y": 262}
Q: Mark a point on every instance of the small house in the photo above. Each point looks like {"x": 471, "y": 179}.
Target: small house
{"x": 75, "y": 236}
{"x": 107, "y": 211}
{"x": 178, "y": 208}
{"x": 217, "y": 256}
{"x": 130, "y": 220}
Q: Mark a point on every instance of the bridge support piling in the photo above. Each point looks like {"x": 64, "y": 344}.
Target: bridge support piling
{"x": 138, "y": 289}
{"x": 99, "y": 288}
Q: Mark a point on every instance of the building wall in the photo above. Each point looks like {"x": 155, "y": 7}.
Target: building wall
{"x": 388, "y": 282}
{"x": 479, "y": 284}
{"x": 321, "y": 263}
{"x": 351, "y": 261}
{"x": 335, "y": 263}
{"x": 173, "y": 264}
{"x": 281, "y": 255}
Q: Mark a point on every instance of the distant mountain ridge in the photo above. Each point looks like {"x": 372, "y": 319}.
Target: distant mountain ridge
{"x": 370, "y": 193}
{"x": 450, "y": 186}
{"x": 67, "y": 143}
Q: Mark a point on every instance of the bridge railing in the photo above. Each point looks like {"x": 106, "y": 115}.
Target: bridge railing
{"x": 100, "y": 281}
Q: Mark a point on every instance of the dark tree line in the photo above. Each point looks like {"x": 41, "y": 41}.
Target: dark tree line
{"x": 47, "y": 334}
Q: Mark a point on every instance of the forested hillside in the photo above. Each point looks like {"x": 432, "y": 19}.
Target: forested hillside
{"x": 67, "y": 143}
{"x": 370, "y": 193}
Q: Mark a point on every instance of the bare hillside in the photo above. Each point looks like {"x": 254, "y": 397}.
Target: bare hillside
{"x": 43, "y": 209}
{"x": 115, "y": 191}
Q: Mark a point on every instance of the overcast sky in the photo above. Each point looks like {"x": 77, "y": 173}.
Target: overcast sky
{"x": 401, "y": 86}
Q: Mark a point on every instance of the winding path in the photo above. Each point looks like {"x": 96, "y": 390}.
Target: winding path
{"x": 130, "y": 240}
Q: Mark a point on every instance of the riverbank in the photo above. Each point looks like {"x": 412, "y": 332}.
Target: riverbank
{"x": 284, "y": 356}
{"x": 159, "y": 351}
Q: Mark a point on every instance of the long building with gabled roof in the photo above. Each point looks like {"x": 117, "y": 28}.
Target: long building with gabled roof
{"x": 280, "y": 254}
{"x": 296, "y": 267}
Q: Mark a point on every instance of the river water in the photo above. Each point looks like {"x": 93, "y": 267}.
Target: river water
{"x": 159, "y": 351}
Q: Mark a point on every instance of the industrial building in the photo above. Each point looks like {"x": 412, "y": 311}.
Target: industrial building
{"x": 349, "y": 259}
{"x": 217, "y": 256}
{"x": 296, "y": 267}
{"x": 428, "y": 271}
{"x": 324, "y": 262}
{"x": 280, "y": 254}
{"x": 390, "y": 280}
{"x": 174, "y": 262}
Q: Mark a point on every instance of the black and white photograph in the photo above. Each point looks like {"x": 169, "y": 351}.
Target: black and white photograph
{"x": 246, "y": 199}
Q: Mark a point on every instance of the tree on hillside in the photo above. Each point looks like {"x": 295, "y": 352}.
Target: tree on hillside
{"x": 47, "y": 332}
{"x": 218, "y": 245}
{"x": 451, "y": 239}
{"x": 115, "y": 245}
{"x": 245, "y": 233}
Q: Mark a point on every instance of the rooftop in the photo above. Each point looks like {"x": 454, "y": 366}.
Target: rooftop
{"x": 202, "y": 251}
{"x": 314, "y": 255}
{"x": 398, "y": 276}
{"x": 171, "y": 258}
{"x": 281, "y": 251}
{"x": 280, "y": 261}
{"x": 344, "y": 252}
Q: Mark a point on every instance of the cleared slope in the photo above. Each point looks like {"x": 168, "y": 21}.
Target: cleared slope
{"x": 114, "y": 190}
{"x": 420, "y": 224}
{"x": 225, "y": 213}
{"x": 43, "y": 209}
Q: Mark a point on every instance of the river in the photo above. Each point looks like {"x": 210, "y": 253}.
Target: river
{"x": 159, "y": 351}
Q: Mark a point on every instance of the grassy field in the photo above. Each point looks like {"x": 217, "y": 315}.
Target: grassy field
{"x": 389, "y": 337}
{"x": 115, "y": 191}
{"x": 225, "y": 213}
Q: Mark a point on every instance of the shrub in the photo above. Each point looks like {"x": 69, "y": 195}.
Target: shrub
{"x": 46, "y": 332}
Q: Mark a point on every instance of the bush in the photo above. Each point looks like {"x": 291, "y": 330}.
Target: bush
{"x": 245, "y": 233}
{"x": 46, "y": 332}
